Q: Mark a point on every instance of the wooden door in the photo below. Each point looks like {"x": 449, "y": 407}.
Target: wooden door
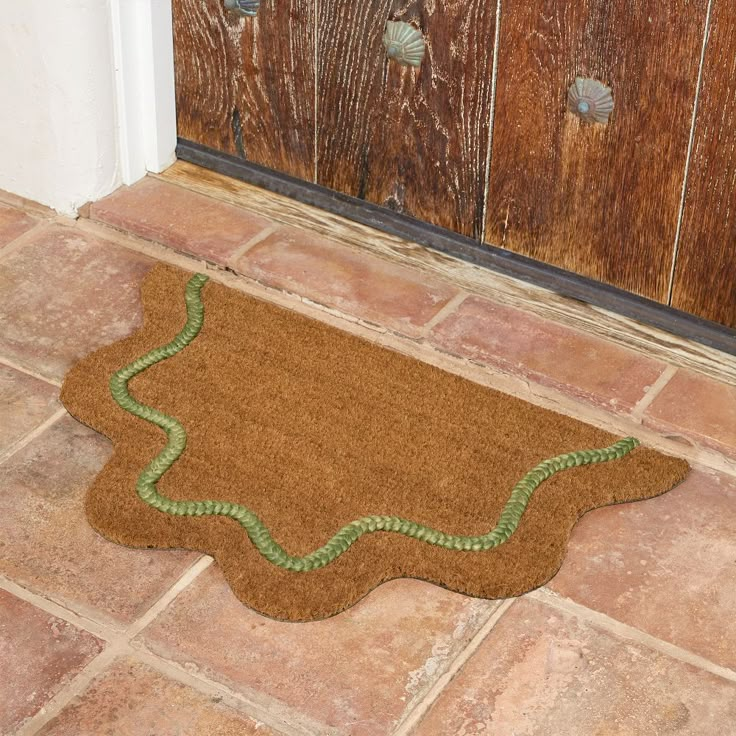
{"x": 306, "y": 88}
{"x": 415, "y": 141}
{"x": 245, "y": 86}
{"x": 317, "y": 98}
{"x": 601, "y": 201}
{"x": 705, "y": 273}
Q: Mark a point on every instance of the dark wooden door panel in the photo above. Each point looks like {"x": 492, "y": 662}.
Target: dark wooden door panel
{"x": 246, "y": 85}
{"x": 598, "y": 201}
{"x": 705, "y": 272}
{"x": 413, "y": 140}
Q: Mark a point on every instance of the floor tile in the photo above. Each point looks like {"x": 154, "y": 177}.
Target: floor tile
{"x": 522, "y": 343}
{"x": 47, "y": 545}
{"x": 357, "y": 672}
{"x": 13, "y": 223}
{"x": 40, "y": 654}
{"x": 665, "y": 566}
{"x": 130, "y": 699}
{"x": 352, "y": 281}
{"x": 544, "y": 673}
{"x": 25, "y": 402}
{"x": 66, "y": 293}
{"x": 699, "y": 408}
{"x": 181, "y": 219}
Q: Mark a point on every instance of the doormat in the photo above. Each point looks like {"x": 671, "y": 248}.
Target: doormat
{"x": 314, "y": 465}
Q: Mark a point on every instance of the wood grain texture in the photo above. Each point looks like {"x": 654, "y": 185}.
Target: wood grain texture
{"x": 705, "y": 272}
{"x": 602, "y": 201}
{"x": 246, "y": 85}
{"x": 412, "y": 140}
{"x": 650, "y": 341}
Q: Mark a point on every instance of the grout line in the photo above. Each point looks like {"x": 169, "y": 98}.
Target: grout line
{"x": 546, "y": 596}
{"x": 189, "y": 576}
{"x": 266, "y": 711}
{"x": 443, "y": 313}
{"x": 258, "y": 238}
{"x": 688, "y": 157}
{"x": 26, "y": 439}
{"x": 22, "y": 369}
{"x": 654, "y": 390}
{"x": 118, "y": 643}
{"x": 71, "y": 690}
{"x": 492, "y": 114}
{"x": 288, "y": 724}
{"x": 28, "y": 236}
{"x": 415, "y": 716}
{"x": 100, "y": 630}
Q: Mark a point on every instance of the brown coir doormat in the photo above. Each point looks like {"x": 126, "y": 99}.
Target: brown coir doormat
{"x": 287, "y": 449}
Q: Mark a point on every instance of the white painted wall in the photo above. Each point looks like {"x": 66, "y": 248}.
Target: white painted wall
{"x": 58, "y": 142}
{"x": 69, "y": 126}
{"x": 143, "y": 50}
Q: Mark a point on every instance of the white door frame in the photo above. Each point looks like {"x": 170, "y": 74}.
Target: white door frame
{"x": 143, "y": 49}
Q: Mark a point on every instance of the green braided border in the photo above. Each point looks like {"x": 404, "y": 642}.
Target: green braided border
{"x": 350, "y": 533}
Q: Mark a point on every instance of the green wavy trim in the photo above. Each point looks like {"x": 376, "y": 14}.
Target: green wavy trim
{"x": 350, "y": 533}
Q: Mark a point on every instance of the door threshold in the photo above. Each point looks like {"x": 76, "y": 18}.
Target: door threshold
{"x": 613, "y": 314}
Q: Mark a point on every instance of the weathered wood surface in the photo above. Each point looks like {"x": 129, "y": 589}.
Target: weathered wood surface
{"x": 305, "y": 88}
{"x": 246, "y": 85}
{"x": 705, "y": 272}
{"x": 599, "y": 201}
{"x": 413, "y": 140}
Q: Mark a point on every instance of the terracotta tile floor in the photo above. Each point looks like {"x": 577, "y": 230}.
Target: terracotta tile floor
{"x": 635, "y": 635}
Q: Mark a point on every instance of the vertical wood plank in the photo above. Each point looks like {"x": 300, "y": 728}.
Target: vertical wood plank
{"x": 412, "y": 140}
{"x": 602, "y": 201}
{"x": 246, "y": 85}
{"x": 705, "y": 271}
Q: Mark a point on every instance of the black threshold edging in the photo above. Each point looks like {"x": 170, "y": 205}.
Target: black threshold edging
{"x": 556, "y": 279}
